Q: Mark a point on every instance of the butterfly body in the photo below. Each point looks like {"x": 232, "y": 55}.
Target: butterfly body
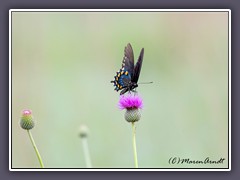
{"x": 127, "y": 77}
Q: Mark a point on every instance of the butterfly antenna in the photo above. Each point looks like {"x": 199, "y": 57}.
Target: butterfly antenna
{"x": 145, "y": 82}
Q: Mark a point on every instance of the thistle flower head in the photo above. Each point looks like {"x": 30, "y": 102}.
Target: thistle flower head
{"x": 27, "y": 112}
{"x": 83, "y": 131}
{"x": 130, "y": 101}
{"x": 26, "y": 121}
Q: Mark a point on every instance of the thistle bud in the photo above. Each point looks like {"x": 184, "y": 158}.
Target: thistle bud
{"x": 83, "y": 131}
{"x": 26, "y": 121}
{"x": 132, "y": 115}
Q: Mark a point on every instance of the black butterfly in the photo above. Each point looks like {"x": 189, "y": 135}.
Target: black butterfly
{"x": 127, "y": 77}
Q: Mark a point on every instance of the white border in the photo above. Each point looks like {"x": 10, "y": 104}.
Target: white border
{"x": 229, "y": 87}
{"x": 10, "y": 91}
{"x": 118, "y": 10}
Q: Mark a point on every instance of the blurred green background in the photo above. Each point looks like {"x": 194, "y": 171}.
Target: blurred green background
{"x": 62, "y": 65}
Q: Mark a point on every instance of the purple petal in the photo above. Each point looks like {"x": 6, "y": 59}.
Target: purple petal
{"x": 130, "y": 101}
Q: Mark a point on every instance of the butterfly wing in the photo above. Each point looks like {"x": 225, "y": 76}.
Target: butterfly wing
{"x": 128, "y": 60}
{"x": 137, "y": 67}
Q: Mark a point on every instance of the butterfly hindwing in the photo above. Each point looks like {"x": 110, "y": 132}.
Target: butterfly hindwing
{"x": 121, "y": 80}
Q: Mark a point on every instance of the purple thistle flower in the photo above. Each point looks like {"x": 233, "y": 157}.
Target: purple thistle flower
{"x": 130, "y": 101}
{"x": 26, "y": 112}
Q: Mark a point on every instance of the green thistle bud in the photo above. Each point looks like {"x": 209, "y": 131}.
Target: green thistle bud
{"x": 26, "y": 121}
{"x": 132, "y": 115}
{"x": 83, "y": 131}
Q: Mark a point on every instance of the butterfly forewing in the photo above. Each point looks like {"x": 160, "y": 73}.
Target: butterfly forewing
{"x": 138, "y": 67}
{"x": 128, "y": 59}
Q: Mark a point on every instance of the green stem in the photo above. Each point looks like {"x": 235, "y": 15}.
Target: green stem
{"x": 134, "y": 145}
{"x": 35, "y": 148}
{"x": 86, "y": 152}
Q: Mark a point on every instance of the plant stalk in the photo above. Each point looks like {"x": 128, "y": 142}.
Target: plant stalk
{"x": 134, "y": 145}
{"x": 86, "y": 152}
{"x": 35, "y": 148}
